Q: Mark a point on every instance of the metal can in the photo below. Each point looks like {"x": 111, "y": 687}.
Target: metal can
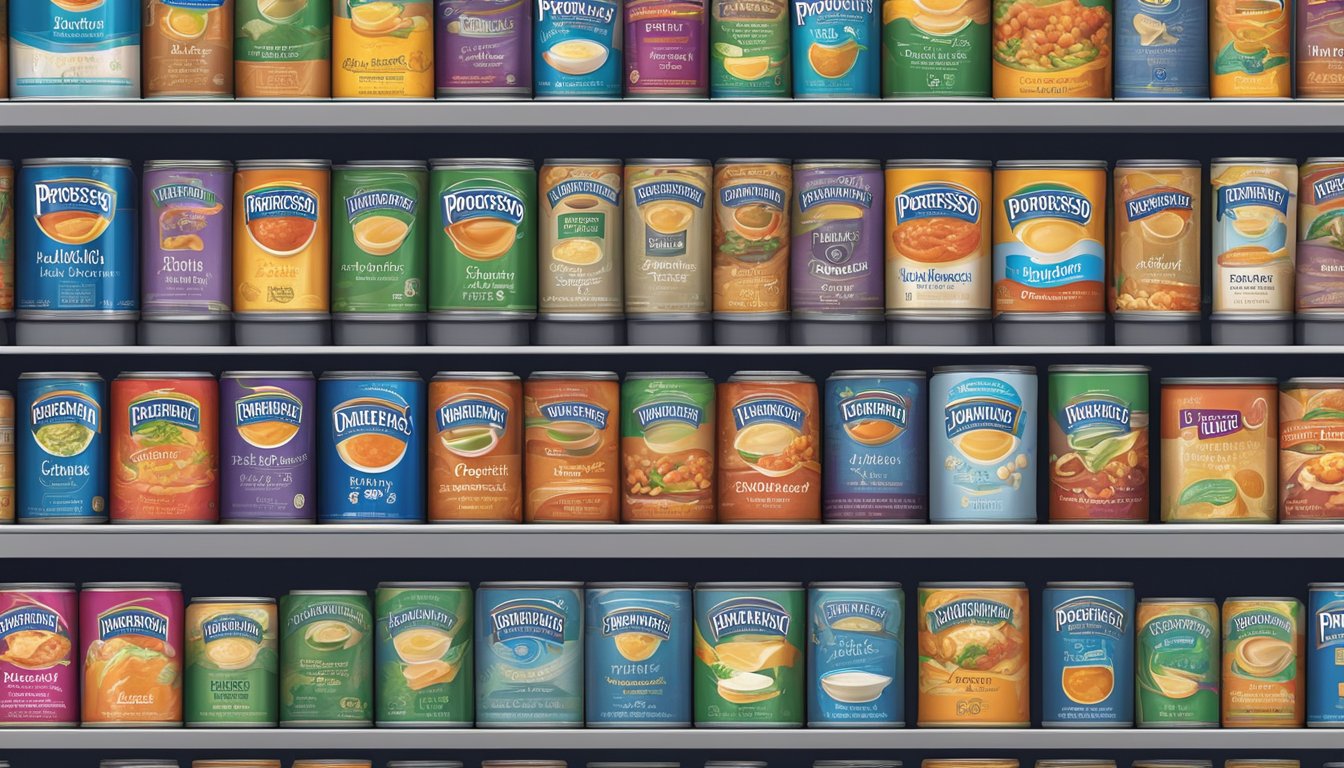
{"x": 1254, "y": 235}
{"x": 666, "y": 52}
{"x": 39, "y": 672}
{"x": 749, "y": 660}
{"x": 385, "y": 50}
{"x": 1320, "y": 71}
{"x": 371, "y": 452}
{"x": 856, "y": 654}
{"x": 983, "y": 629}
{"x": 769, "y": 448}
{"x": 667, "y": 448}
{"x": 1154, "y": 273}
{"x": 1098, "y": 443}
{"x": 283, "y": 49}
{"x": 751, "y": 238}
{"x": 326, "y": 650}
{"x": 236, "y": 763}
{"x": 1319, "y": 289}
{"x": 939, "y": 51}
{"x": 749, "y": 50}
{"x": 1311, "y": 450}
{"x": 268, "y": 447}
{"x": 164, "y": 429}
{"x": 1160, "y": 50}
{"x": 7, "y": 203}
{"x": 130, "y": 637}
{"x": 529, "y": 654}
{"x": 835, "y": 50}
{"x": 1176, "y": 674}
{"x": 483, "y": 48}
{"x": 638, "y": 655}
{"x": 186, "y": 239}
{"x": 1325, "y": 661}
{"x": 577, "y": 50}
{"x": 836, "y": 271}
{"x": 875, "y": 468}
{"x": 79, "y": 50}
{"x": 668, "y": 269}
{"x": 188, "y": 49}
{"x": 424, "y": 654}
{"x": 7, "y": 446}
{"x": 62, "y": 454}
{"x": 476, "y": 454}
{"x": 572, "y": 447}
{"x": 1251, "y": 46}
{"x": 1027, "y": 67}
{"x": 1264, "y": 677}
{"x": 580, "y": 260}
{"x": 4, "y": 41}
{"x": 983, "y": 457}
{"x": 970, "y": 762}
{"x": 1087, "y": 657}
{"x": 233, "y": 662}
{"x": 1219, "y": 450}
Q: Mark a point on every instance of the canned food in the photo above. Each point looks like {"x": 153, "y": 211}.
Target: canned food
{"x": 1325, "y": 661}
{"x": 1311, "y": 450}
{"x": 1155, "y": 271}
{"x": 1075, "y": 65}
{"x": 188, "y": 49}
{"x": 835, "y": 50}
{"x": 165, "y": 447}
{"x": 424, "y": 654}
{"x": 571, "y": 459}
{"x": 1087, "y": 632}
{"x": 7, "y": 204}
{"x": 1320, "y": 207}
{"x": 665, "y": 49}
{"x": 483, "y": 48}
{"x": 75, "y": 50}
{"x": 856, "y": 655}
{"x": 938, "y": 52}
{"x": 1099, "y": 443}
{"x": 187, "y": 232}
{"x": 668, "y": 270}
{"x": 39, "y": 673}
{"x": 971, "y": 762}
{"x": 7, "y": 446}
{"x": 62, "y": 464}
{"x": 875, "y": 469}
{"x": 667, "y": 448}
{"x": 749, "y": 655}
{"x": 236, "y": 763}
{"x": 1251, "y": 45}
{"x": 751, "y": 236}
{"x": 837, "y": 240}
{"x": 268, "y": 447}
{"x": 283, "y": 49}
{"x": 749, "y": 50}
{"x": 974, "y": 651}
{"x": 638, "y": 655}
{"x": 984, "y": 455}
{"x": 131, "y": 641}
{"x": 529, "y": 641}
{"x": 1178, "y": 663}
{"x": 769, "y": 457}
{"x": 1219, "y": 458}
{"x": 580, "y": 255}
{"x": 1320, "y": 73}
{"x": 1160, "y": 49}
{"x": 1264, "y": 682}
{"x": 370, "y": 447}
{"x": 476, "y": 462}
{"x": 385, "y": 50}
{"x": 4, "y": 41}
{"x": 577, "y": 50}
{"x": 1254, "y": 226}
{"x": 326, "y": 650}
{"x": 232, "y": 662}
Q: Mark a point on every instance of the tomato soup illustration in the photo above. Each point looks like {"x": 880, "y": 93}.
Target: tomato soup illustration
{"x": 1320, "y": 235}
{"x": 1088, "y": 654}
{"x": 1036, "y": 56}
{"x": 667, "y": 448}
{"x": 281, "y": 242}
{"x": 131, "y": 639}
{"x": 1254, "y": 235}
{"x": 751, "y": 238}
{"x": 372, "y": 460}
{"x": 39, "y": 672}
{"x": 1264, "y": 673}
{"x": 974, "y": 656}
{"x": 1320, "y": 36}
{"x": 1098, "y": 443}
{"x": 476, "y": 451}
{"x": 769, "y": 448}
{"x": 1311, "y": 450}
{"x": 1251, "y": 49}
{"x": 572, "y": 447}
{"x": 165, "y": 448}
{"x": 383, "y": 49}
{"x": 188, "y": 49}
{"x": 1155, "y": 264}
{"x": 283, "y": 49}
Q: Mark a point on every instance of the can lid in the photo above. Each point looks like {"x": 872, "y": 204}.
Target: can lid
{"x": 140, "y": 762}
{"x": 663, "y": 585}
{"x": 375, "y": 375}
{"x": 1099, "y": 369}
{"x": 1218, "y": 381}
{"x": 1324, "y": 382}
{"x": 906, "y": 163}
{"x": 1254, "y": 160}
{"x": 1172, "y": 763}
{"x": 238, "y": 600}
{"x": 1089, "y": 584}
{"x": 423, "y": 584}
{"x": 642, "y": 375}
{"x": 1027, "y": 369}
{"x": 44, "y": 161}
{"x": 329, "y": 592}
{"x": 1324, "y": 585}
{"x": 765, "y": 376}
{"x": 189, "y": 165}
{"x": 573, "y": 375}
{"x": 533, "y": 584}
{"x": 1076, "y": 763}
{"x": 827, "y": 162}
{"x": 170, "y": 586}
{"x": 634, "y": 765}
{"x": 674, "y": 161}
{"x": 50, "y": 375}
{"x": 1261, "y": 598}
{"x": 745, "y": 585}
{"x": 582, "y": 161}
{"x": 856, "y": 764}
{"x": 165, "y": 375}
{"x": 266, "y": 375}
{"x": 1175, "y": 600}
{"x": 1046, "y": 165}
{"x": 475, "y": 376}
{"x": 406, "y": 165}
{"x": 484, "y": 163}
{"x": 749, "y": 160}
{"x": 15, "y": 586}
{"x": 424, "y": 764}
{"x": 261, "y": 165}
{"x": 868, "y": 373}
{"x": 972, "y": 585}
{"x": 1147, "y": 163}
{"x": 855, "y": 585}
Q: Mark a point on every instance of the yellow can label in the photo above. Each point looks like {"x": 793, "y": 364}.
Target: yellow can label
{"x": 281, "y": 240}
{"x": 1250, "y": 44}
{"x": 383, "y": 50}
{"x": 938, "y": 239}
{"x": 1254, "y": 237}
{"x": 1155, "y": 266}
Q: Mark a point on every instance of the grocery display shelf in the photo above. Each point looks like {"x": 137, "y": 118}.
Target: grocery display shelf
{"x": 723, "y": 351}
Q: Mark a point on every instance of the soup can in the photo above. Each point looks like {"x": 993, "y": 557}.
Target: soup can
{"x": 187, "y": 251}
{"x": 835, "y": 50}
{"x": 4, "y": 42}
{"x": 39, "y": 672}
{"x": 476, "y": 454}
{"x": 749, "y": 659}
{"x": 1320, "y": 70}
{"x": 233, "y": 662}
{"x": 268, "y": 447}
{"x": 483, "y": 49}
{"x": 283, "y": 49}
{"x": 424, "y": 654}
{"x": 572, "y": 447}
{"x": 580, "y": 260}
{"x": 983, "y": 456}
{"x": 7, "y": 448}
{"x": 1311, "y": 450}
{"x": 875, "y": 469}
{"x": 667, "y": 448}
{"x": 637, "y": 655}
{"x": 529, "y": 654}
{"x": 751, "y": 248}
{"x": 188, "y": 49}
{"x": 666, "y": 49}
{"x": 1087, "y": 656}
{"x": 130, "y": 637}
{"x": 483, "y": 287}
{"x": 668, "y": 247}
{"x": 380, "y": 260}
{"x": 7, "y": 203}
{"x": 1177, "y": 669}
{"x": 326, "y": 653}
{"x": 974, "y": 648}
{"x": 1098, "y": 443}
{"x": 1254, "y": 239}
{"x": 385, "y": 50}
{"x": 576, "y": 49}
{"x": 970, "y": 762}
{"x": 62, "y": 450}
{"x": 1264, "y": 678}
{"x": 1319, "y": 290}
{"x": 1076, "y": 64}
{"x": 856, "y": 654}
{"x": 1219, "y": 450}
{"x": 1325, "y": 661}
{"x": 164, "y": 428}
{"x": 282, "y": 251}
{"x": 370, "y": 447}
{"x": 769, "y": 454}
{"x": 1160, "y": 49}
{"x": 1251, "y": 46}
{"x": 74, "y": 50}
{"x": 935, "y": 51}
{"x": 77, "y": 270}
{"x": 749, "y": 50}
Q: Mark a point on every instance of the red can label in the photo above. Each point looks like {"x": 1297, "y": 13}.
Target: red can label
{"x": 165, "y": 449}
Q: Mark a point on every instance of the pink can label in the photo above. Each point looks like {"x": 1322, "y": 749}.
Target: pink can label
{"x": 132, "y": 643}
{"x": 39, "y": 677}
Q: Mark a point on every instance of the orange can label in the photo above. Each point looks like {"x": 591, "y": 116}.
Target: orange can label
{"x": 1052, "y": 50}
{"x": 6, "y": 457}
{"x": 188, "y": 48}
{"x": 165, "y": 449}
{"x": 475, "y": 455}
{"x": 937, "y": 238}
{"x": 1155, "y": 266}
{"x": 974, "y": 655}
{"x": 1264, "y": 675}
{"x": 1311, "y": 450}
{"x": 751, "y": 237}
{"x": 572, "y": 449}
{"x": 383, "y": 49}
{"x": 1251, "y": 46}
{"x": 769, "y": 449}
{"x": 1219, "y": 457}
{"x": 282, "y": 240}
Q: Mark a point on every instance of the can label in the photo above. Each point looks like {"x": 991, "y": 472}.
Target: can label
{"x": 667, "y": 446}
{"x": 483, "y": 47}
{"x": 326, "y": 648}
{"x": 8, "y": 445}
{"x": 668, "y": 269}
{"x": 1320, "y": 237}
{"x": 1177, "y": 664}
{"x": 638, "y": 657}
{"x": 187, "y": 249}
{"x": 188, "y": 48}
{"x": 63, "y": 463}
{"x": 835, "y": 48}
{"x": 1098, "y": 446}
{"x": 424, "y": 655}
{"x": 383, "y": 50}
{"x": 1156, "y": 264}
{"x": 984, "y": 450}
{"x": 1264, "y": 683}
{"x": 932, "y": 50}
{"x": 379, "y": 260}
{"x": 269, "y": 449}
{"x": 1311, "y": 452}
{"x": 837, "y": 242}
{"x": 1160, "y": 49}
{"x": 165, "y": 438}
{"x": 531, "y": 656}
{"x": 88, "y": 50}
{"x": 1088, "y": 656}
{"x": 232, "y": 664}
{"x": 7, "y": 203}
{"x": 281, "y": 240}
{"x": 749, "y": 662}
{"x": 577, "y": 51}
{"x": 749, "y": 49}
{"x": 1320, "y": 68}
{"x": 665, "y": 48}
{"x": 751, "y": 238}
{"x": 39, "y": 674}
{"x": 580, "y": 269}
{"x": 856, "y": 657}
{"x": 875, "y": 467}
{"x": 1219, "y": 455}
{"x": 572, "y": 450}
{"x": 937, "y": 244}
{"x": 1254, "y": 227}
{"x": 372, "y": 463}
{"x": 1325, "y": 663}
{"x": 132, "y": 650}
{"x": 769, "y": 450}
{"x": 1075, "y": 65}
{"x": 1252, "y": 46}
{"x": 283, "y": 49}
{"x": 484, "y": 251}
{"x": 974, "y": 656}
{"x": 476, "y": 454}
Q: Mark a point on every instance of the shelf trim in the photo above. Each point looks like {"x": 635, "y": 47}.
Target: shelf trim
{"x": 716, "y": 351}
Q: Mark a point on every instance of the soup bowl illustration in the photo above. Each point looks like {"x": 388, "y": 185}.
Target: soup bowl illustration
{"x": 747, "y": 68}
{"x": 1087, "y": 685}
{"x": 422, "y": 644}
{"x": 756, "y": 221}
{"x": 483, "y": 238}
{"x": 668, "y": 217}
{"x": 471, "y": 440}
{"x": 232, "y": 652}
{"x": 183, "y": 24}
{"x": 75, "y": 6}
{"x": 576, "y": 438}
{"x": 765, "y": 446}
{"x": 73, "y": 227}
{"x": 380, "y": 235}
{"x": 577, "y": 57}
{"x": 331, "y": 635}
{"x": 636, "y": 646}
{"x": 833, "y": 61}
{"x": 36, "y": 649}
{"x": 378, "y": 18}
{"x": 854, "y": 686}
{"x": 577, "y": 252}
{"x": 748, "y": 688}
{"x": 281, "y": 11}
{"x": 1264, "y": 656}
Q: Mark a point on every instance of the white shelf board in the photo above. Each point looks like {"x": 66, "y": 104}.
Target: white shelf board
{"x": 559, "y": 351}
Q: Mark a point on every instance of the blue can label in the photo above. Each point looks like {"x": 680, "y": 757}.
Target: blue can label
{"x": 371, "y": 450}
{"x": 856, "y": 656}
{"x": 874, "y": 466}
{"x": 529, "y": 652}
{"x": 578, "y": 49}
{"x": 62, "y": 456}
{"x": 75, "y": 49}
{"x": 638, "y": 657}
{"x": 1088, "y": 656}
{"x": 835, "y": 49}
{"x": 982, "y": 447}
{"x": 1325, "y": 663}
{"x": 1161, "y": 49}
{"x": 77, "y": 239}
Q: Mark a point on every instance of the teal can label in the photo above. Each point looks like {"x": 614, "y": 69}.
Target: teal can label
{"x": 856, "y": 655}
{"x": 529, "y": 656}
{"x": 423, "y": 654}
{"x": 1088, "y": 655}
{"x": 326, "y": 657}
{"x": 577, "y": 51}
{"x": 835, "y": 49}
{"x": 638, "y": 656}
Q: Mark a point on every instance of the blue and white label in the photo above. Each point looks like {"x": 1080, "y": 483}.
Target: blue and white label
{"x": 748, "y": 616}
{"x": 372, "y": 416}
{"x": 232, "y": 625}
{"x": 768, "y": 409}
{"x": 577, "y": 49}
{"x": 936, "y": 201}
{"x": 1095, "y": 413}
{"x": 279, "y": 202}
{"x": 420, "y": 617}
{"x": 583, "y": 188}
{"x": 180, "y": 411}
{"x": 835, "y": 193}
{"x": 380, "y": 200}
{"x": 847, "y": 30}
{"x": 987, "y": 613}
{"x": 856, "y": 657}
{"x": 752, "y": 193}
{"x": 1163, "y": 55}
{"x": 30, "y": 618}
{"x": 674, "y": 191}
{"x": 471, "y": 412}
{"x": 1329, "y": 188}
{"x": 1158, "y": 201}
{"x": 1047, "y": 201}
{"x": 875, "y": 405}
{"x": 669, "y": 413}
{"x": 982, "y": 413}
{"x": 140, "y": 622}
{"x": 637, "y": 656}
{"x": 1088, "y": 632}
{"x": 585, "y": 413}
{"x": 1252, "y": 193}
{"x": 461, "y": 205}
{"x": 268, "y": 407}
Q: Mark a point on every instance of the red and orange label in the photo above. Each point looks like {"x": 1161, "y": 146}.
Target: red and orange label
{"x": 769, "y": 448}
{"x": 475, "y": 453}
{"x": 572, "y": 448}
{"x": 938, "y": 236}
{"x": 165, "y": 448}
{"x": 281, "y": 239}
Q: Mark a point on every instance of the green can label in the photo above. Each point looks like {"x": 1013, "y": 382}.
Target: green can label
{"x": 749, "y": 662}
{"x": 935, "y": 48}
{"x": 1178, "y": 660}
{"x": 327, "y": 651}
{"x": 231, "y": 664}
{"x": 424, "y": 655}
{"x": 485, "y": 247}
{"x": 380, "y": 241}
{"x": 749, "y": 49}
{"x": 282, "y": 30}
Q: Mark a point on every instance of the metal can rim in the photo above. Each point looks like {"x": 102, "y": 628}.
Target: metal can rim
{"x": 188, "y": 165}
{"x": 371, "y": 375}
{"x": 1179, "y": 601}
{"x": 266, "y": 165}
{"x": 868, "y": 373}
{"x": 1051, "y": 165}
{"x": 423, "y": 584}
{"x": 743, "y": 585}
{"x": 1218, "y": 381}
{"x": 1147, "y": 163}
{"x": 475, "y": 376}
{"x": 573, "y": 376}
{"x": 972, "y": 585}
{"x": 266, "y": 374}
{"x": 232, "y": 600}
{"x": 752, "y": 161}
{"x": 328, "y": 592}
{"x": 584, "y": 161}
{"x": 52, "y": 375}
{"x": 1025, "y": 369}
{"x": 819, "y": 163}
{"x": 1085, "y": 368}
{"x": 938, "y": 163}
{"x": 856, "y": 585}
{"x": 41, "y": 162}
{"x": 531, "y": 584}
{"x": 100, "y": 586}
{"x": 1089, "y": 584}
{"x": 1253, "y": 161}
{"x": 643, "y": 375}
{"x": 680, "y": 162}
{"x": 769, "y": 376}
{"x": 141, "y": 375}
{"x": 399, "y": 165}
{"x": 654, "y": 585}
{"x": 48, "y": 586}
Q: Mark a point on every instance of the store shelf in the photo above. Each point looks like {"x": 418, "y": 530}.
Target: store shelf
{"x": 832, "y": 351}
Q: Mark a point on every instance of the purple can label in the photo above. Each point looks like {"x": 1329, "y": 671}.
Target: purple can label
{"x": 665, "y": 49}
{"x": 837, "y": 241}
{"x": 484, "y": 47}
{"x": 188, "y": 246}
{"x": 873, "y": 468}
{"x": 39, "y": 675}
{"x": 1210, "y": 423}
{"x": 268, "y": 448}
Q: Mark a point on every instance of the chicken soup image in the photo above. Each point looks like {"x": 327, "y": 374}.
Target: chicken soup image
{"x": 973, "y": 644}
